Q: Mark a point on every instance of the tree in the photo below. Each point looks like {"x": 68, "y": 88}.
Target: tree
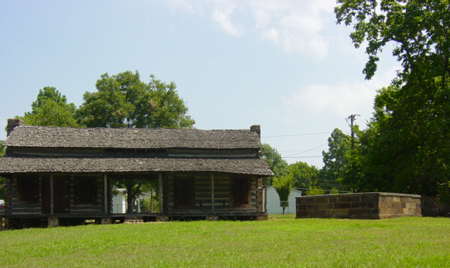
{"x": 134, "y": 187}
{"x": 335, "y": 160}
{"x": 283, "y": 185}
{"x": 51, "y": 109}
{"x": 277, "y": 164}
{"x": 304, "y": 175}
{"x": 123, "y": 100}
{"x": 406, "y": 147}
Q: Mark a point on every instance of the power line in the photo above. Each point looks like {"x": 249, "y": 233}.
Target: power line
{"x": 307, "y": 150}
{"x": 295, "y": 135}
{"x": 303, "y": 156}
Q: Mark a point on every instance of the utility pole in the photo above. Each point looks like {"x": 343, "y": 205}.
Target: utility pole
{"x": 352, "y": 119}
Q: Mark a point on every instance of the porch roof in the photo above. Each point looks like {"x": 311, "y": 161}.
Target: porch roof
{"x": 246, "y": 166}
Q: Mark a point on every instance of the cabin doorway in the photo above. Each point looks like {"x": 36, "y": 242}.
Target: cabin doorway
{"x": 240, "y": 190}
{"x": 61, "y": 198}
{"x": 184, "y": 193}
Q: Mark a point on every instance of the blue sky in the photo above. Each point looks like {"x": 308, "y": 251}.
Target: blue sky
{"x": 282, "y": 64}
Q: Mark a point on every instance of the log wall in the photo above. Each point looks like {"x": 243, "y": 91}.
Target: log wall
{"x": 18, "y": 204}
{"x": 222, "y": 196}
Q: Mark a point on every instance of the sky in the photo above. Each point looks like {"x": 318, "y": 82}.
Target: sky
{"x": 282, "y": 64}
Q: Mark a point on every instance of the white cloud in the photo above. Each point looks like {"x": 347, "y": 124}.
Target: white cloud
{"x": 338, "y": 100}
{"x": 222, "y": 15}
{"x": 297, "y": 26}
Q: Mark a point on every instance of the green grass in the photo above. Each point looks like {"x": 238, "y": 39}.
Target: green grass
{"x": 281, "y": 241}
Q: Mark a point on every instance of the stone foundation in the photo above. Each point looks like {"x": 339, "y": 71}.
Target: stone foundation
{"x": 52, "y": 222}
{"x": 359, "y": 206}
{"x": 106, "y": 221}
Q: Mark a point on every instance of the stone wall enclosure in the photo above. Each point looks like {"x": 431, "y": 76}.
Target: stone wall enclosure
{"x": 359, "y": 206}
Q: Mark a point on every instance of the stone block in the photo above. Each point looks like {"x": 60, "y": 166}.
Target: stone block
{"x": 357, "y": 211}
{"x": 318, "y": 213}
{"x": 321, "y": 200}
{"x": 312, "y": 207}
{"x": 358, "y": 205}
{"x": 304, "y": 200}
{"x": 369, "y": 198}
{"x": 259, "y": 218}
{"x": 333, "y": 199}
{"x": 340, "y": 212}
{"x": 342, "y": 205}
{"x": 162, "y": 218}
{"x": 52, "y": 222}
{"x": 325, "y": 206}
{"x": 349, "y": 198}
{"x": 106, "y": 221}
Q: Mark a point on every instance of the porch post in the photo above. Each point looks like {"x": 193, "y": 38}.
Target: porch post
{"x": 161, "y": 198}
{"x": 51, "y": 194}
{"x": 105, "y": 193}
{"x": 212, "y": 192}
{"x": 265, "y": 194}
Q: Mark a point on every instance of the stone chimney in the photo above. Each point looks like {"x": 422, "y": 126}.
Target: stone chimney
{"x": 12, "y": 124}
{"x": 256, "y": 129}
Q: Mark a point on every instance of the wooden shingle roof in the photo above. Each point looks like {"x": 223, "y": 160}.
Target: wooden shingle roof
{"x": 131, "y": 138}
{"x": 39, "y": 141}
{"x": 248, "y": 166}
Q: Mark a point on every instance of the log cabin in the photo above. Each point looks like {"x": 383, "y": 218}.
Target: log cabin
{"x": 63, "y": 176}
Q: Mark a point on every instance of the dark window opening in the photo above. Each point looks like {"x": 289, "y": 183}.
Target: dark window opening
{"x": 184, "y": 193}
{"x": 86, "y": 191}
{"x": 240, "y": 192}
{"x": 28, "y": 189}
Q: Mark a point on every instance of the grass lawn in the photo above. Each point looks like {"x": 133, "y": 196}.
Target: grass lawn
{"x": 281, "y": 241}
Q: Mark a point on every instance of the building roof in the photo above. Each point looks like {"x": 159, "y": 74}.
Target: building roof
{"x": 82, "y": 139}
{"x": 252, "y": 166}
{"x": 131, "y": 138}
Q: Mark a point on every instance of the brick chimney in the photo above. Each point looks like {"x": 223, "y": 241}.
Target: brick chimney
{"x": 256, "y": 129}
{"x": 12, "y": 124}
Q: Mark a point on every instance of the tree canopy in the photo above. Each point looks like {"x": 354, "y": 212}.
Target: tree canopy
{"x": 123, "y": 100}
{"x": 405, "y": 148}
{"x": 304, "y": 175}
{"x": 276, "y": 163}
{"x": 335, "y": 159}
{"x": 51, "y": 109}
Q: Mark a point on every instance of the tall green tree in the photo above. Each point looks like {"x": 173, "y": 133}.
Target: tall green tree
{"x": 283, "y": 185}
{"x": 304, "y": 175}
{"x": 123, "y": 100}
{"x": 277, "y": 164}
{"x": 335, "y": 160}
{"x": 406, "y": 147}
{"x": 51, "y": 109}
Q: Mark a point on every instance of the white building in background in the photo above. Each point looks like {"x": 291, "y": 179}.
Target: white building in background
{"x": 120, "y": 205}
{"x": 119, "y": 201}
{"x": 273, "y": 201}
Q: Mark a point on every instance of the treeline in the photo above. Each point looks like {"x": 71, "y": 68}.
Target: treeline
{"x": 406, "y": 145}
{"x": 121, "y": 100}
